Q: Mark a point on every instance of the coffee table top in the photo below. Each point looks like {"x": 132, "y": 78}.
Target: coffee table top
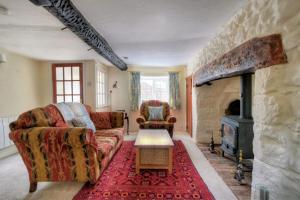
{"x": 157, "y": 138}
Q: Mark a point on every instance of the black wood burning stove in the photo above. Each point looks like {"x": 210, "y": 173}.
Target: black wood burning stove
{"x": 237, "y": 130}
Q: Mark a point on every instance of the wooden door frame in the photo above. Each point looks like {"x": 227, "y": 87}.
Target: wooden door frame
{"x": 189, "y": 95}
{"x": 54, "y": 65}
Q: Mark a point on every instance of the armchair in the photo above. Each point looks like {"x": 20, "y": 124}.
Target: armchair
{"x": 167, "y": 122}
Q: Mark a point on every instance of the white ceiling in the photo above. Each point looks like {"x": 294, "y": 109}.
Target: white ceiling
{"x": 149, "y": 32}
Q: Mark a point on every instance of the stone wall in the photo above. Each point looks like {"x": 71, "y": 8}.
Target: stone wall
{"x": 276, "y": 108}
{"x": 211, "y": 104}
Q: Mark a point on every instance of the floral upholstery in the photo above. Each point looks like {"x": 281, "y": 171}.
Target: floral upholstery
{"x": 51, "y": 151}
{"x": 106, "y": 144}
{"x": 101, "y": 120}
{"x": 39, "y": 117}
{"x": 52, "y": 154}
{"x": 114, "y": 132}
{"x": 117, "y": 119}
{"x": 167, "y": 123}
{"x": 107, "y": 120}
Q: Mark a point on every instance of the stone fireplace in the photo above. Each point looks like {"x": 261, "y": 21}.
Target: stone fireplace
{"x": 276, "y": 96}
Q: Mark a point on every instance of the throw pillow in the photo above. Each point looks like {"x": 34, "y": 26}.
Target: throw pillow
{"x": 77, "y": 122}
{"x": 155, "y": 113}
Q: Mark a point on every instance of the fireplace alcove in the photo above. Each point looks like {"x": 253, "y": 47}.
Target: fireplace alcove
{"x": 233, "y": 108}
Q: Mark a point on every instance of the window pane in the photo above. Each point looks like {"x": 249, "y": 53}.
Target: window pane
{"x": 68, "y": 87}
{"x": 76, "y": 98}
{"x": 60, "y": 99}
{"x": 59, "y": 73}
{"x": 59, "y": 87}
{"x": 76, "y": 87}
{"x": 155, "y": 87}
{"x": 68, "y": 98}
{"x": 67, "y": 73}
{"x": 75, "y": 71}
{"x": 101, "y": 89}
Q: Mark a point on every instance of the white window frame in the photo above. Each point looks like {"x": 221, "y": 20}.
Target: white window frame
{"x": 154, "y": 79}
{"x": 101, "y": 96}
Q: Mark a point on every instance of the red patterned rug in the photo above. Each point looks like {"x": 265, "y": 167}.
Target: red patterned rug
{"x": 119, "y": 180}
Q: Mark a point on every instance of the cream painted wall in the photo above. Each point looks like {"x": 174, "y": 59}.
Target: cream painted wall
{"x": 89, "y": 83}
{"x": 46, "y": 82}
{"x": 120, "y": 98}
{"x": 21, "y": 85}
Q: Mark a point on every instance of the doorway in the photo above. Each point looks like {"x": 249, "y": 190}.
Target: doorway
{"x": 67, "y": 82}
{"x": 189, "y": 122}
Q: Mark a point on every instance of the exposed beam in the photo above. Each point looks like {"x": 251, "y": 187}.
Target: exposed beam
{"x": 254, "y": 54}
{"x": 70, "y": 16}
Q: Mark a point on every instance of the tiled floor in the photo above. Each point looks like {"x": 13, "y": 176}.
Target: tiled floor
{"x": 226, "y": 168}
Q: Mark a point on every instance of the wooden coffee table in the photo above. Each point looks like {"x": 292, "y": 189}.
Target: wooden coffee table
{"x": 154, "y": 150}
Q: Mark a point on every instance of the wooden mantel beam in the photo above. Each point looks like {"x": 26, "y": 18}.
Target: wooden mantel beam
{"x": 250, "y": 56}
{"x": 70, "y": 16}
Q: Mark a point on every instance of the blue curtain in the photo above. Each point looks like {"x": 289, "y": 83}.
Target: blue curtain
{"x": 174, "y": 92}
{"x": 135, "y": 89}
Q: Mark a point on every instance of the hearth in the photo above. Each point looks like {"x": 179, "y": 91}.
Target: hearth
{"x": 237, "y": 130}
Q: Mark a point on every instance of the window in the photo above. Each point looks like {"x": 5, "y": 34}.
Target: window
{"x": 101, "y": 88}
{"x": 155, "y": 88}
{"x": 67, "y": 82}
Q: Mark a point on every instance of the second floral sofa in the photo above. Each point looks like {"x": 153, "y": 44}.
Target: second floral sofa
{"x": 52, "y": 150}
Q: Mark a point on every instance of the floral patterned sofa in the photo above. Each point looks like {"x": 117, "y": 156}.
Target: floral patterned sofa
{"x": 167, "y": 123}
{"x": 54, "y": 151}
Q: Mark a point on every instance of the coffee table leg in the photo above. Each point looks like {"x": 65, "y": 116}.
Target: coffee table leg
{"x": 170, "y": 160}
{"x": 137, "y": 160}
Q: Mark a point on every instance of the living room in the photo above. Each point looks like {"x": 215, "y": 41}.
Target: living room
{"x": 149, "y": 100}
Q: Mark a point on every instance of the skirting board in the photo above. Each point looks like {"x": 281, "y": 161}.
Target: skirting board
{"x": 8, "y": 151}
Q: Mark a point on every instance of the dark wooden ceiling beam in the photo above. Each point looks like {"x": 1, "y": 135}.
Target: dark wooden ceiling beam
{"x": 250, "y": 56}
{"x": 70, "y": 16}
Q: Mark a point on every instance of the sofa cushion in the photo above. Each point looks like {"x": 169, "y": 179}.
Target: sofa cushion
{"x": 73, "y": 110}
{"x": 66, "y": 112}
{"x": 78, "y": 122}
{"x": 145, "y": 112}
{"x": 114, "y": 132}
{"x": 56, "y": 118}
{"x": 106, "y": 144}
{"x": 155, "y": 113}
{"x": 101, "y": 120}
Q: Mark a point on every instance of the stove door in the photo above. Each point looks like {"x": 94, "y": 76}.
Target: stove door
{"x": 229, "y": 139}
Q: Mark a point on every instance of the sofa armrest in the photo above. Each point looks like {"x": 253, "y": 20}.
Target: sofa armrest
{"x": 117, "y": 119}
{"x": 141, "y": 119}
{"x": 101, "y": 120}
{"x": 107, "y": 120}
{"x": 57, "y": 154}
{"x": 171, "y": 119}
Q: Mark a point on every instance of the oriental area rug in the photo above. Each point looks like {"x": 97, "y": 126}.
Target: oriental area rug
{"x": 119, "y": 181}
